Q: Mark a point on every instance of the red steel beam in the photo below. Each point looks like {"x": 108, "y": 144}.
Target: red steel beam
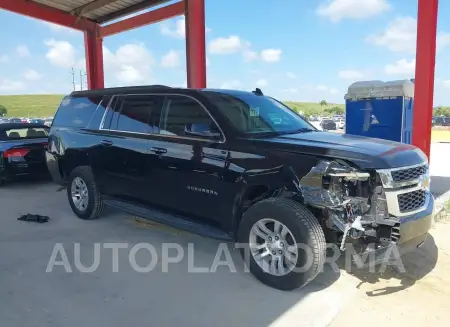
{"x": 48, "y": 14}
{"x": 195, "y": 43}
{"x": 147, "y": 18}
{"x": 424, "y": 77}
{"x": 93, "y": 45}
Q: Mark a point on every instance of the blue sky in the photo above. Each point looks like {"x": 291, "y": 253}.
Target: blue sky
{"x": 301, "y": 50}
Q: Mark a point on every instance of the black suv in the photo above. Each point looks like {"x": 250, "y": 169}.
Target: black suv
{"x": 239, "y": 166}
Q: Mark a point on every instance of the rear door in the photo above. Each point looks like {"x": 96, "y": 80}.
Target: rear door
{"x": 190, "y": 172}
{"x": 124, "y": 145}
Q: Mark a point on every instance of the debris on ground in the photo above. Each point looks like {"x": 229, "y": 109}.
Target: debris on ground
{"x": 36, "y": 218}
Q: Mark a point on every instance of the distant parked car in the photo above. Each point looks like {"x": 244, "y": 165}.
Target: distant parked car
{"x": 340, "y": 124}
{"x": 48, "y": 122}
{"x": 15, "y": 120}
{"x": 22, "y": 149}
{"x": 328, "y": 125}
{"x": 37, "y": 121}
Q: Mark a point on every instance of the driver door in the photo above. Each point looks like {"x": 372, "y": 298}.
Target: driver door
{"x": 191, "y": 167}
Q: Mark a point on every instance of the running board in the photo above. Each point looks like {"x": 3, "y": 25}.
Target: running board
{"x": 176, "y": 221}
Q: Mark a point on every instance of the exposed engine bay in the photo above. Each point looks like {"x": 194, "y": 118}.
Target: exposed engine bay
{"x": 351, "y": 202}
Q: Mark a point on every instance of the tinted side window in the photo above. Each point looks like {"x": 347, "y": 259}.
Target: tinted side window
{"x": 76, "y": 111}
{"x": 181, "y": 113}
{"x": 135, "y": 111}
{"x": 98, "y": 115}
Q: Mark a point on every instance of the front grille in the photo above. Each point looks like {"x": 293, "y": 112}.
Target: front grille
{"x": 412, "y": 200}
{"x": 408, "y": 174}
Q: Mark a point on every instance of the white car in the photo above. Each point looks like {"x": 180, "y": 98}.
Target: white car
{"x": 340, "y": 124}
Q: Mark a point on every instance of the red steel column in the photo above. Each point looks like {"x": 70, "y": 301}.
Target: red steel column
{"x": 424, "y": 78}
{"x": 195, "y": 43}
{"x": 93, "y": 45}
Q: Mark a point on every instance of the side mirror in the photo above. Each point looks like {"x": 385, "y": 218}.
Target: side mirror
{"x": 201, "y": 130}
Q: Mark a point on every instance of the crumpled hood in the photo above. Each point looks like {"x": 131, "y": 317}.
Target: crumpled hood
{"x": 365, "y": 152}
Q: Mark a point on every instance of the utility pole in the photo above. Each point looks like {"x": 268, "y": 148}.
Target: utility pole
{"x": 82, "y": 79}
{"x": 73, "y": 79}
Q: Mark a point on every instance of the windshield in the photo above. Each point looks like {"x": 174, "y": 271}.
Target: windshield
{"x": 257, "y": 114}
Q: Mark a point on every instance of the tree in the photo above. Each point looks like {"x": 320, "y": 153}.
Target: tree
{"x": 335, "y": 110}
{"x": 3, "y": 111}
{"x": 323, "y": 103}
{"x": 442, "y": 111}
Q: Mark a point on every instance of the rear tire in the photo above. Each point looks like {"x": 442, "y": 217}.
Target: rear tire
{"x": 82, "y": 192}
{"x": 288, "y": 217}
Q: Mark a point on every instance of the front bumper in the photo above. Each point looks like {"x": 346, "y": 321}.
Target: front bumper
{"x": 414, "y": 230}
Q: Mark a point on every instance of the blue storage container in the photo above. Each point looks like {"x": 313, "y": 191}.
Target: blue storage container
{"x": 380, "y": 109}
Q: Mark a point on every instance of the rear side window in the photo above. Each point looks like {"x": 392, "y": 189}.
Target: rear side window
{"x": 26, "y": 133}
{"x": 76, "y": 111}
{"x": 135, "y": 111}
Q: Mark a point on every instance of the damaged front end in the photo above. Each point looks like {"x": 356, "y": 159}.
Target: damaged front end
{"x": 352, "y": 202}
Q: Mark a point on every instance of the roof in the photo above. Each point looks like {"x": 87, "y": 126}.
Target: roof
{"x": 374, "y": 89}
{"x": 21, "y": 125}
{"x": 150, "y": 88}
{"x": 100, "y": 11}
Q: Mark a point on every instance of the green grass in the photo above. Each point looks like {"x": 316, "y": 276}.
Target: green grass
{"x": 31, "y": 105}
{"x": 311, "y": 108}
{"x": 46, "y": 105}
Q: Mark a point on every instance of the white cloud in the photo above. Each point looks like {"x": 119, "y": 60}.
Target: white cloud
{"x": 130, "y": 64}
{"x": 442, "y": 40}
{"x": 249, "y": 55}
{"x": 178, "y": 29}
{"x": 7, "y": 85}
{"x": 232, "y": 85}
{"x": 328, "y": 89}
{"x": 31, "y": 75}
{"x": 171, "y": 59}
{"x": 271, "y": 55}
{"x": 291, "y": 75}
{"x": 446, "y": 84}
{"x": 401, "y": 67}
{"x": 401, "y": 34}
{"x": 336, "y": 10}
{"x": 262, "y": 82}
{"x": 350, "y": 74}
{"x": 4, "y": 59}
{"x": 22, "y": 51}
{"x": 61, "y": 53}
{"x": 225, "y": 45}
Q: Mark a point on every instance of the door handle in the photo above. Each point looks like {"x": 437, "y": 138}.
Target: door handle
{"x": 158, "y": 150}
{"x": 106, "y": 142}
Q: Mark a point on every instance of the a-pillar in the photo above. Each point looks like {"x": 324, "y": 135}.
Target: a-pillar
{"x": 93, "y": 44}
{"x": 424, "y": 78}
{"x": 195, "y": 43}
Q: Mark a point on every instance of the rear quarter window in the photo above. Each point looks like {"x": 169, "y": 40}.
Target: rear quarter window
{"x": 76, "y": 111}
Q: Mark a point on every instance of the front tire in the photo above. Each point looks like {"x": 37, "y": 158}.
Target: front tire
{"x": 82, "y": 192}
{"x": 285, "y": 243}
